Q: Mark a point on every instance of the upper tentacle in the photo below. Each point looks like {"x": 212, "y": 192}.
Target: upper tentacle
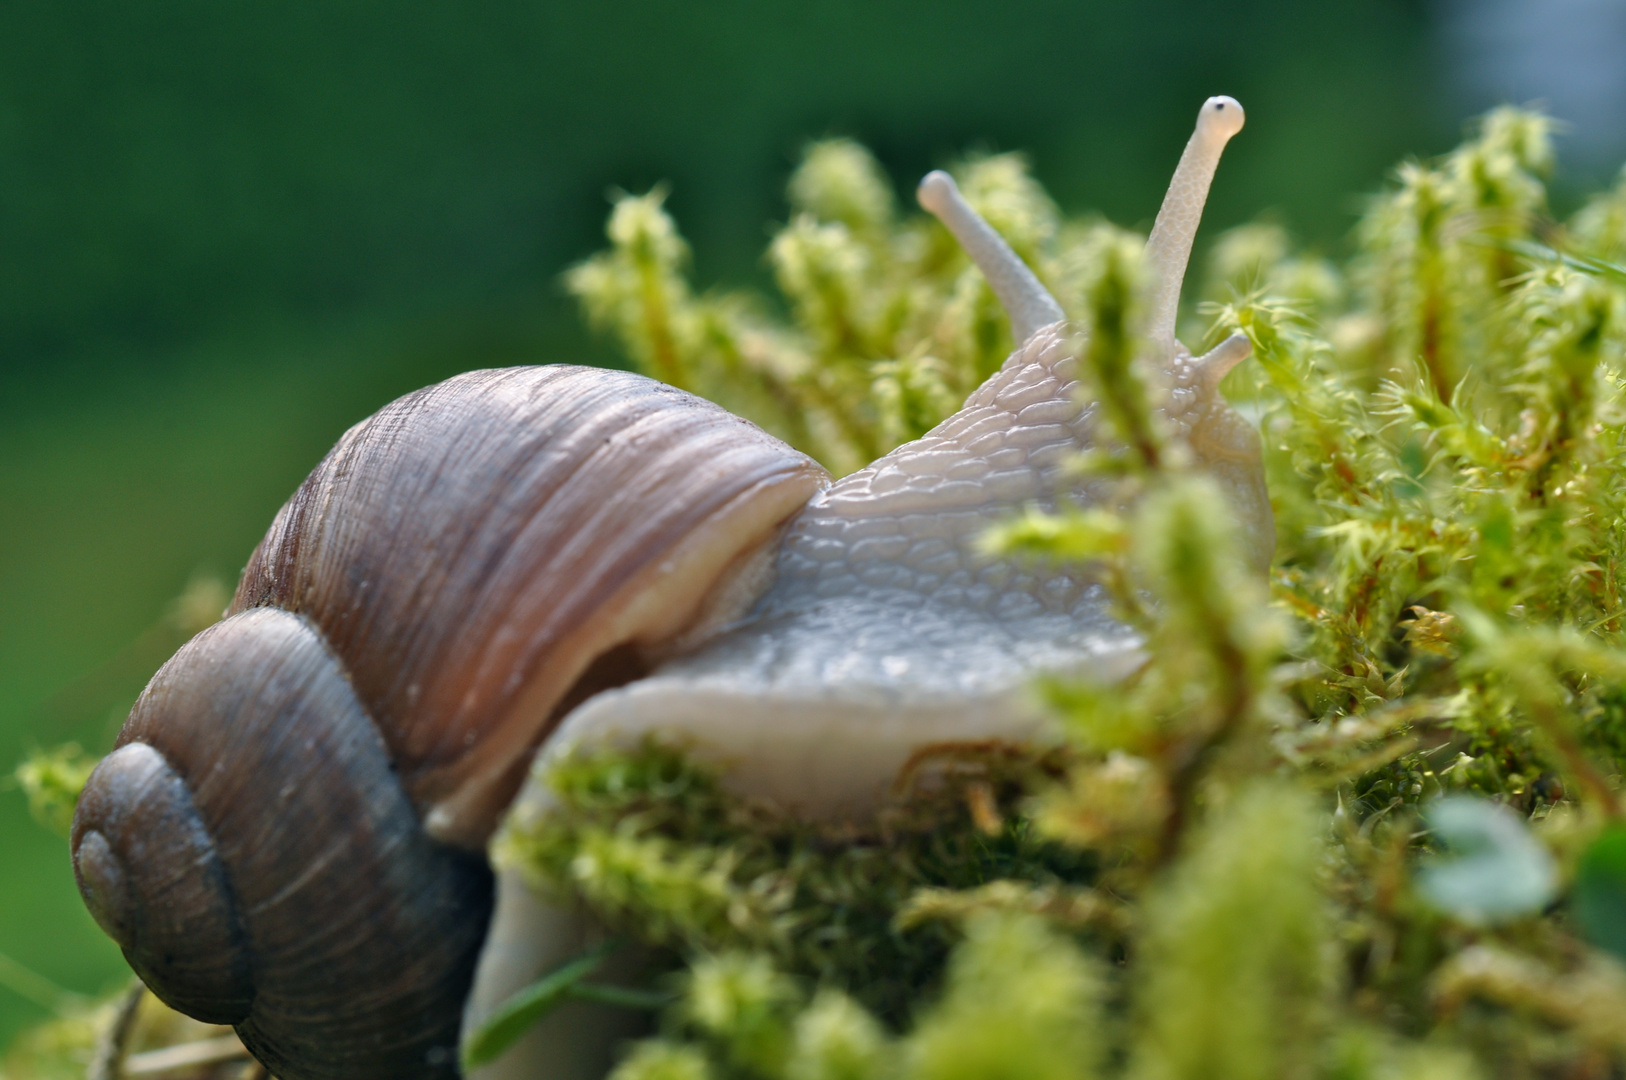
{"x": 1027, "y": 302}
{"x": 1168, "y": 249}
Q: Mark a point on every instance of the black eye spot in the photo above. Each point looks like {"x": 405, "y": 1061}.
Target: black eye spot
{"x": 1218, "y": 105}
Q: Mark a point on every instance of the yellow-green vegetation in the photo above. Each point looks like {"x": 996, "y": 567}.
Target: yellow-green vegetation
{"x": 1360, "y": 819}
{"x": 1357, "y": 820}
{"x": 52, "y": 780}
{"x": 60, "y": 1049}
{"x": 655, "y": 845}
{"x": 130, "y": 1033}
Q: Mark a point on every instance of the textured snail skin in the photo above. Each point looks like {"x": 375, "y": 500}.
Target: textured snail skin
{"x": 1168, "y": 248}
{"x": 887, "y": 629}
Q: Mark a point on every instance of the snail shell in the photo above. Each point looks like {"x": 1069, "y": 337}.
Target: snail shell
{"x": 206, "y": 848}
{"x": 446, "y": 583}
{"x": 537, "y": 557}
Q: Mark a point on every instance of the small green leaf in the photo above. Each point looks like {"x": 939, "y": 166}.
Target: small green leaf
{"x": 520, "y": 1012}
{"x": 1599, "y": 898}
{"x": 1496, "y": 870}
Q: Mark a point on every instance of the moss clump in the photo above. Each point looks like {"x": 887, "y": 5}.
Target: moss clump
{"x": 655, "y": 845}
{"x": 1020, "y": 1001}
{"x": 52, "y": 780}
{"x": 1217, "y": 1003}
{"x": 1234, "y": 841}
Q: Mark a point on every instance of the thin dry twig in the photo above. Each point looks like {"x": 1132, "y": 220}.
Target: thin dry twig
{"x": 106, "y": 1063}
{"x": 185, "y": 1056}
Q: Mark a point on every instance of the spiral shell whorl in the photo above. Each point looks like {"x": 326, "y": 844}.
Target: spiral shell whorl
{"x": 472, "y": 549}
{"x": 150, "y": 875}
{"x": 331, "y": 931}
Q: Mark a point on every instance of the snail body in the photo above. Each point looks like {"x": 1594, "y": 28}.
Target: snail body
{"x": 513, "y": 563}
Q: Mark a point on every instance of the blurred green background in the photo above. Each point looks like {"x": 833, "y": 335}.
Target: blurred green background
{"x": 228, "y": 231}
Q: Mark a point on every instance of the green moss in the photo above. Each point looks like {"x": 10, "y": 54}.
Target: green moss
{"x": 1217, "y": 875}
{"x": 1442, "y": 418}
{"x": 1234, "y": 970}
{"x": 655, "y": 845}
{"x": 1021, "y": 1003}
{"x": 52, "y": 780}
{"x": 58, "y": 1050}
{"x": 65, "y": 1047}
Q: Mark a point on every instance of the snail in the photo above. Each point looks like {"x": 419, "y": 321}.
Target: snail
{"x": 288, "y": 836}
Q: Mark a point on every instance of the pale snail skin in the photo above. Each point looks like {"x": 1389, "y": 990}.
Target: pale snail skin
{"x": 288, "y": 834}
{"x": 884, "y": 629}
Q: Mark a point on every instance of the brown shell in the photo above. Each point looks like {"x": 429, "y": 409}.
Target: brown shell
{"x": 249, "y": 848}
{"x": 476, "y": 549}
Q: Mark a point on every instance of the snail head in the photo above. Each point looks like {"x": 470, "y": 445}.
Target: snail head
{"x": 1223, "y": 442}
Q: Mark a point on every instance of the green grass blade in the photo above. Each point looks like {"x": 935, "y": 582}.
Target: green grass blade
{"x": 520, "y": 1012}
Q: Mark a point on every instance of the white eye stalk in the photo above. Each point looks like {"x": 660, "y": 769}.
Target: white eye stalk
{"x": 1168, "y": 249}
